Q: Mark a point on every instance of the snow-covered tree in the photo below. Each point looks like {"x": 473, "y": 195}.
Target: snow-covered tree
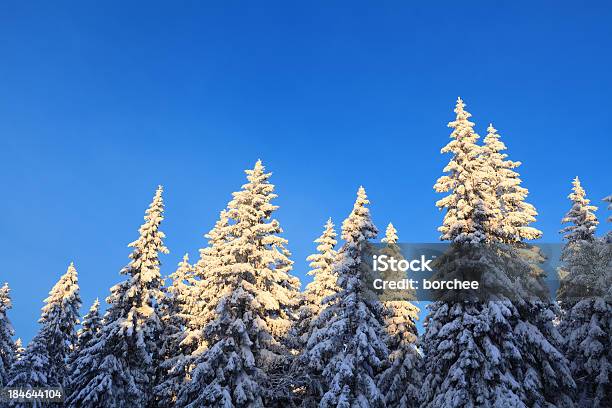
{"x": 496, "y": 347}
{"x": 7, "y": 347}
{"x": 581, "y": 216}
{"x": 468, "y": 201}
{"x": 173, "y": 364}
{"x": 586, "y": 301}
{"x": 585, "y": 296}
{"x": 58, "y": 320}
{"x": 401, "y": 379}
{"x": 348, "y": 349}
{"x": 90, "y": 326}
{"x": 246, "y": 340}
{"x": 323, "y": 285}
{"x": 92, "y": 322}
{"x": 608, "y": 199}
{"x": 19, "y": 349}
{"x": 44, "y": 363}
{"x": 511, "y": 215}
{"x": 117, "y": 368}
{"x": 31, "y": 371}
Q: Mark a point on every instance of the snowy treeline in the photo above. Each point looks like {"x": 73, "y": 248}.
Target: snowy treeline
{"x": 233, "y": 329}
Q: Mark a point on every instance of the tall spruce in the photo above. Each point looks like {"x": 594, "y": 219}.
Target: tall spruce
{"x": 401, "y": 380}
{"x": 581, "y": 217}
{"x": 586, "y": 302}
{"x": 59, "y": 319}
{"x": 246, "y": 352}
{"x": 466, "y": 203}
{"x": 511, "y": 214}
{"x": 500, "y": 350}
{"x": 117, "y": 368}
{"x": 7, "y": 347}
{"x": 347, "y": 350}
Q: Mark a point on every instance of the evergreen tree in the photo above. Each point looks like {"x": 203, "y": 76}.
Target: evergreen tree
{"x": 92, "y": 322}
{"x": 511, "y": 214}
{"x": 44, "y": 363}
{"x": 7, "y": 347}
{"x": 31, "y": 371}
{"x": 19, "y": 349}
{"x": 58, "y": 322}
{"x": 469, "y": 197}
{"x": 586, "y": 302}
{"x": 348, "y": 349}
{"x": 173, "y": 366}
{"x": 581, "y": 217}
{"x": 608, "y": 199}
{"x": 246, "y": 350}
{"x": 401, "y": 380}
{"x": 90, "y": 326}
{"x": 117, "y": 368}
{"x": 500, "y": 349}
{"x": 323, "y": 285}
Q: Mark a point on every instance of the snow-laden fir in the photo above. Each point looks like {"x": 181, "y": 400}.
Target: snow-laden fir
{"x": 501, "y": 351}
{"x": 347, "y": 350}
{"x": 117, "y": 368}
{"x": 401, "y": 379}
{"x": 246, "y": 353}
{"x": 585, "y": 296}
{"x": 7, "y": 347}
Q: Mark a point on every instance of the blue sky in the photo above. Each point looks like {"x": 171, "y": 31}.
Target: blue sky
{"x": 99, "y": 103}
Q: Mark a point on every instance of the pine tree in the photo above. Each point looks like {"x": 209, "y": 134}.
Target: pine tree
{"x": 348, "y": 350}
{"x": 581, "y": 217}
{"x": 608, "y": 199}
{"x": 400, "y": 381}
{"x": 246, "y": 340}
{"x": 7, "y": 347}
{"x": 511, "y": 214}
{"x": 173, "y": 366}
{"x": 58, "y": 322}
{"x": 117, "y": 369}
{"x": 469, "y": 196}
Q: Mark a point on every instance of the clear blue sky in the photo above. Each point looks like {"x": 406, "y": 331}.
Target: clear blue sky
{"x": 99, "y": 103}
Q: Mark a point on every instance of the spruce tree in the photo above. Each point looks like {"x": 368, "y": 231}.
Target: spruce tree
{"x": 7, "y": 347}
{"x": 347, "y": 350}
{"x": 58, "y": 322}
{"x": 468, "y": 198}
{"x": 246, "y": 349}
{"x": 173, "y": 363}
{"x": 401, "y": 379}
{"x": 511, "y": 214}
{"x": 586, "y": 302}
{"x": 497, "y": 347}
{"x": 117, "y": 368}
{"x": 19, "y": 349}
{"x": 32, "y": 370}
{"x": 92, "y": 322}
{"x": 324, "y": 283}
{"x": 581, "y": 217}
